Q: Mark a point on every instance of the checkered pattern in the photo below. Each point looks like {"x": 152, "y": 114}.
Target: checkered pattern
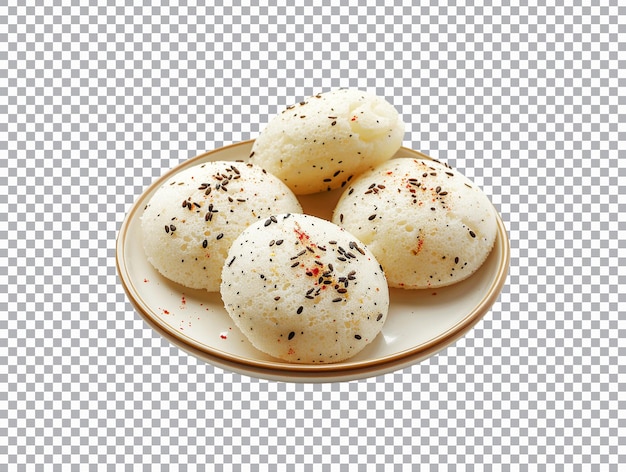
{"x": 99, "y": 98}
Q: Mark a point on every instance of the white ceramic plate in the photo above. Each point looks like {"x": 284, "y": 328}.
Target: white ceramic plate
{"x": 420, "y": 322}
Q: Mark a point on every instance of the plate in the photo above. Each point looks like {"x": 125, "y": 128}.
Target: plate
{"x": 420, "y": 323}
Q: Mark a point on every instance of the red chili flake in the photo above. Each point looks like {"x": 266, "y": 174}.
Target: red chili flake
{"x": 166, "y": 312}
{"x": 223, "y": 336}
{"x": 146, "y": 280}
{"x": 301, "y": 234}
{"x": 183, "y": 300}
{"x": 354, "y": 118}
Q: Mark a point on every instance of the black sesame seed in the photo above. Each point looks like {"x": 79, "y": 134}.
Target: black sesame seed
{"x": 456, "y": 260}
{"x": 337, "y": 300}
{"x": 379, "y": 317}
{"x": 167, "y": 229}
{"x": 172, "y": 228}
{"x": 231, "y": 261}
{"x": 299, "y": 310}
{"x": 205, "y": 243}
{"x": 295, "y": 264}
{"x": 357, "y": 336}
{"x": 291, "y": 335}
{"x": 220, "y": 236}
{"x": 279, "y": 242}
{"x": 472, "y": 234}
{"x": 371, "y": 217}
{"x": 267, "y": 222}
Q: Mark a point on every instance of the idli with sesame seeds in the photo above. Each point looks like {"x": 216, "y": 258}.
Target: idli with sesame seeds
{"x": 326, "y": 140}
{"x": 427, "y": 224}
{"x": 304, "y": 290}
{"x": 190, "y": 221}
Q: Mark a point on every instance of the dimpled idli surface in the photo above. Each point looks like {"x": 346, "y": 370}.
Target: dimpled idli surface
{"x": 322, "y": 142}
{"x": 191, "y": 220}
{"x": 427, "y": 224}
{"x": 304, "y": 290}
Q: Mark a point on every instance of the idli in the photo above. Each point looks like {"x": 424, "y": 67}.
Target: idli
{"x": 324, "y": 141}
{"x": 190, "y": 222}
{"x": 427, "y": 224}
{"x": 303, "y": 290}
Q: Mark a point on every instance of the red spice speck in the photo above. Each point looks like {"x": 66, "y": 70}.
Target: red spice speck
{"x": 223, "y": 336}
{"x": 354, "y": 118}
{"x": 146, "y": 280}
{"x": 182, "y": 300}
{"x": 166, "y": 312}
{"x": 301, "y": 234}
{"x": 434, "y": 293}
{"x": 291, "y": 351}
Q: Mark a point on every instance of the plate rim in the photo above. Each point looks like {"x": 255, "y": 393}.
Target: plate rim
{"x": 276, "y": 368}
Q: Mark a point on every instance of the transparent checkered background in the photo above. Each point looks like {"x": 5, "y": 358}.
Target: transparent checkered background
{"x": 97, "y": 99}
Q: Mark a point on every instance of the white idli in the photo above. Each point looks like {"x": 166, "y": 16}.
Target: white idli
{"x": 324, "y": 141}
{"x": 304, "y": 290}
{"x": 191, "y": 220}
{"x": 428, "y": 225}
